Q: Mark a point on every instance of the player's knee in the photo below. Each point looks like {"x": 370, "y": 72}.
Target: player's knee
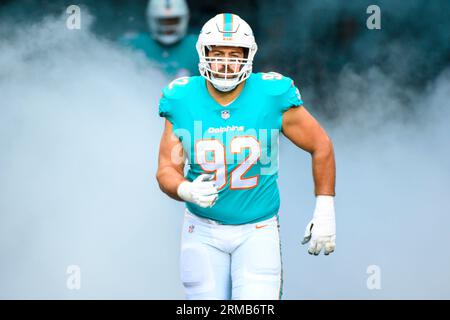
{"x": 260, "y": 277}
{"x": 260, "y": 282}
{"x": 195, "y": 269}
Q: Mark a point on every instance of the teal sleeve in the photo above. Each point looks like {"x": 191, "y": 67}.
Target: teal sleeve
{"x": 165, "y": 108}
{"x": 291, "y": 98}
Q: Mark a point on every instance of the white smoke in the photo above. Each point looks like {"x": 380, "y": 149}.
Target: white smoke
{"x": 392, "y": 194}
{"x": 79, "y": 138}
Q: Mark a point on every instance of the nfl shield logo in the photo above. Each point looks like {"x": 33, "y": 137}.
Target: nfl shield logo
{"x": 225, "y": 114}
{"x": 191, "y": 229}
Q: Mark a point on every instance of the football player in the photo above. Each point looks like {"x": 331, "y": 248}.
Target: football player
{"x": 225, "y": 125}
{"x": 167, "y": 44}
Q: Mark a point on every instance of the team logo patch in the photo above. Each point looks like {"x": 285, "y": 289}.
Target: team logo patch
{"x": 225, "y": 114}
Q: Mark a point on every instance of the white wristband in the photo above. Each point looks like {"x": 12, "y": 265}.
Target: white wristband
{"x": 324, "y": 206}
{"x": 184, "y": 192}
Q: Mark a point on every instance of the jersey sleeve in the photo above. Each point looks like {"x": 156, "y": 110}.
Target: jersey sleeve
{"x": 171, "y": 98}
{"x": 165, "y": 109}
{"x": 291, "y": 98}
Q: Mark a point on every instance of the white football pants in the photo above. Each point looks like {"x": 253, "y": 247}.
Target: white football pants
{"x": 230, "y": 261}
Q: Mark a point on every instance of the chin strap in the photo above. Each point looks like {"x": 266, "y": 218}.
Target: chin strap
{"x": 223, "y": 89}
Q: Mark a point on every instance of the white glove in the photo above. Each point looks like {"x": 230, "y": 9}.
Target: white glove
{"x": 322, "y": 228}
{"x": 202, "y": 191}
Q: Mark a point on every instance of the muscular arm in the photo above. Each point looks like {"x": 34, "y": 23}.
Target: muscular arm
{"x": 170, "y": 163}
{"x": 304, "y": 131}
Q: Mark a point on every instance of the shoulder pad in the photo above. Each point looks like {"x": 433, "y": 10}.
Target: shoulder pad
{"x": 130, "y": 35}
{"x": 191, "y": 37}
{"x": 134, "y": 39}
{"x": 274, "y": 83}
{"x": 187, "y": 43}
{"x": 179, "y": 87}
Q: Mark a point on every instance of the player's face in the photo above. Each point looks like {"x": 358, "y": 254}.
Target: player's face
{"x": 226, "y": 59}
{"x": 168, "y": 26}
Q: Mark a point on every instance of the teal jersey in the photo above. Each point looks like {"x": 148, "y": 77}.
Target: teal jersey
{"x": 179, "y": 59}
{"x": 237, "y": 143}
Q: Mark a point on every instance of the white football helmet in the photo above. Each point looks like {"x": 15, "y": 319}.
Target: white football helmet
{"x": 168, "y": 20}
{"x": 226, "y": 29}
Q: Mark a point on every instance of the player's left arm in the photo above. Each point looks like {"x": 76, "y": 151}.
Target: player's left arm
{"x": 300, "y": 127}
{"x": 305, "y": 132}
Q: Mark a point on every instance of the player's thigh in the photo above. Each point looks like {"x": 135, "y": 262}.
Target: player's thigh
{"x": 204, "y": 270}
{"x": 256, "y": 265}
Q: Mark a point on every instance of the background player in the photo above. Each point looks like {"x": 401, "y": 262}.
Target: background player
{"x": 167, "y": 42}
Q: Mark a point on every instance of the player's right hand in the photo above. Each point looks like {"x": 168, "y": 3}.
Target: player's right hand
{"x": 202, "y": 191}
